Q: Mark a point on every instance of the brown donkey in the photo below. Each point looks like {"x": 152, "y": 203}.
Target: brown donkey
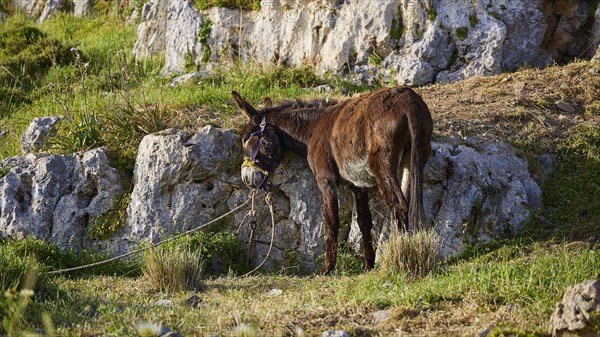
{"x": 365, "y": 140}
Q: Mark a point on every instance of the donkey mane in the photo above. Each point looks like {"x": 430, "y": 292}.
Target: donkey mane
{"x": 298, "y": 104}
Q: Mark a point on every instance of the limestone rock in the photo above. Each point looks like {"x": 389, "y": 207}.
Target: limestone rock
{"x": 36, "y": 134}
{"x": 335, "y": 333}
{"x": 578, "y": 313}
{"x": 57, "y": 197}
{"x": 194, "y": 77}
{"x": 180, "y": 181}
{"x": 382, "y": 315}
{"x": 43, "y": 10}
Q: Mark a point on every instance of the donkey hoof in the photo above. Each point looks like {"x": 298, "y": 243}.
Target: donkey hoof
{"x": 326, "y": 270}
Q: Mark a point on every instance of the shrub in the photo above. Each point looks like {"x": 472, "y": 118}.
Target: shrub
{"x": 415, "y": 254}
{"x": 27, "y": 53}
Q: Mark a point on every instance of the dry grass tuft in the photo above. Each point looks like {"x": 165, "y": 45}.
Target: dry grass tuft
{"x": 414, "y": 254}
{"x": 173, "y": 269}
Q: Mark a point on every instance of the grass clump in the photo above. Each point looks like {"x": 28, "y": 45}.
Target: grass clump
{"x": 180, "y": 264}
{"x": 173, "y": 268}
{"x": 223, "y": 248}
{"x": 414, "y": 254}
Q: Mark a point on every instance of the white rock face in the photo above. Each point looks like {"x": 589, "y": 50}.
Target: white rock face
{"x": 408, "y": 42}
{"x": 56, "y": 197}
{"x": 595, "y": 35}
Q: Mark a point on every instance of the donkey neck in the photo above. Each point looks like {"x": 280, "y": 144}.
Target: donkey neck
{"x": 296, "y": 125}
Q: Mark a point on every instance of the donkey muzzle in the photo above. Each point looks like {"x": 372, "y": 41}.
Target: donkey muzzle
{"x": 254, "y": 178}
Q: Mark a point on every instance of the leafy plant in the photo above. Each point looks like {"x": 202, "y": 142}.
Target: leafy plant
{"x": 203, "y": 36}
{"x": 109, "y": 223}
{"x": 242, "y": 4}
{"x": 473, "y": 20}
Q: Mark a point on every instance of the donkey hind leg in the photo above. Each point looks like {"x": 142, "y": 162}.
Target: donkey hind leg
{"x": 365, "y": 223}
{"x": 328, "y": 189}
{"x": 384, "y": 166}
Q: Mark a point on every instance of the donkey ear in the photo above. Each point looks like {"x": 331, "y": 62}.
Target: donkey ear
{"x": 244, "y": 106}
{"x": 268, "y": 103}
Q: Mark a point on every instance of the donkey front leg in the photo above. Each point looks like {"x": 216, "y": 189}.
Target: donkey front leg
{"x": 328, "y": 189}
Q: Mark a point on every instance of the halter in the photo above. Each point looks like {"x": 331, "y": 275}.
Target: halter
{"x": 252, "y": 161}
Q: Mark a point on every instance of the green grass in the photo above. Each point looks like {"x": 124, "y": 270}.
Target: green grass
{"x": 525, "y": 281}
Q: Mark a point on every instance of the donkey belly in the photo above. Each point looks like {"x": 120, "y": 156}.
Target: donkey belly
{"x": 357, "y": 171}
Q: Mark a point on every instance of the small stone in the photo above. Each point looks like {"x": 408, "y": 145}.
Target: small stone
{"x": 275, "y": 292}
{"x": 382, "y": 315}
{"x": 165, "y": 331}
{"x": 164, "y": 303}
{"x": 336, "y": 333}
{"x": 194, "y": 77}
{"x": 565, "y": 106}
{"x": 194, "y": 301}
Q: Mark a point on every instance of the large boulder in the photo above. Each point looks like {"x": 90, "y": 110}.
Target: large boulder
{"x": 57, "y": 197}
{"x": 578, "y": 313}
{"x": 408, "y": 42}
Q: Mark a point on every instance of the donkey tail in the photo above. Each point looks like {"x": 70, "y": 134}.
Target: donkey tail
{"x": 416, "y": 216}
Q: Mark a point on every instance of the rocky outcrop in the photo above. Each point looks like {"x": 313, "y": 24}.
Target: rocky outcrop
{"x": 57, "y": 197}
{"x": 578, "y": 313}
{"x": 473, "y": 193}
{"x": 408, "y": 42}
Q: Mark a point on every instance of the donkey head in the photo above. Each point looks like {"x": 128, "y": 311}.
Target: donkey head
{"x": 260, "y": 145}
